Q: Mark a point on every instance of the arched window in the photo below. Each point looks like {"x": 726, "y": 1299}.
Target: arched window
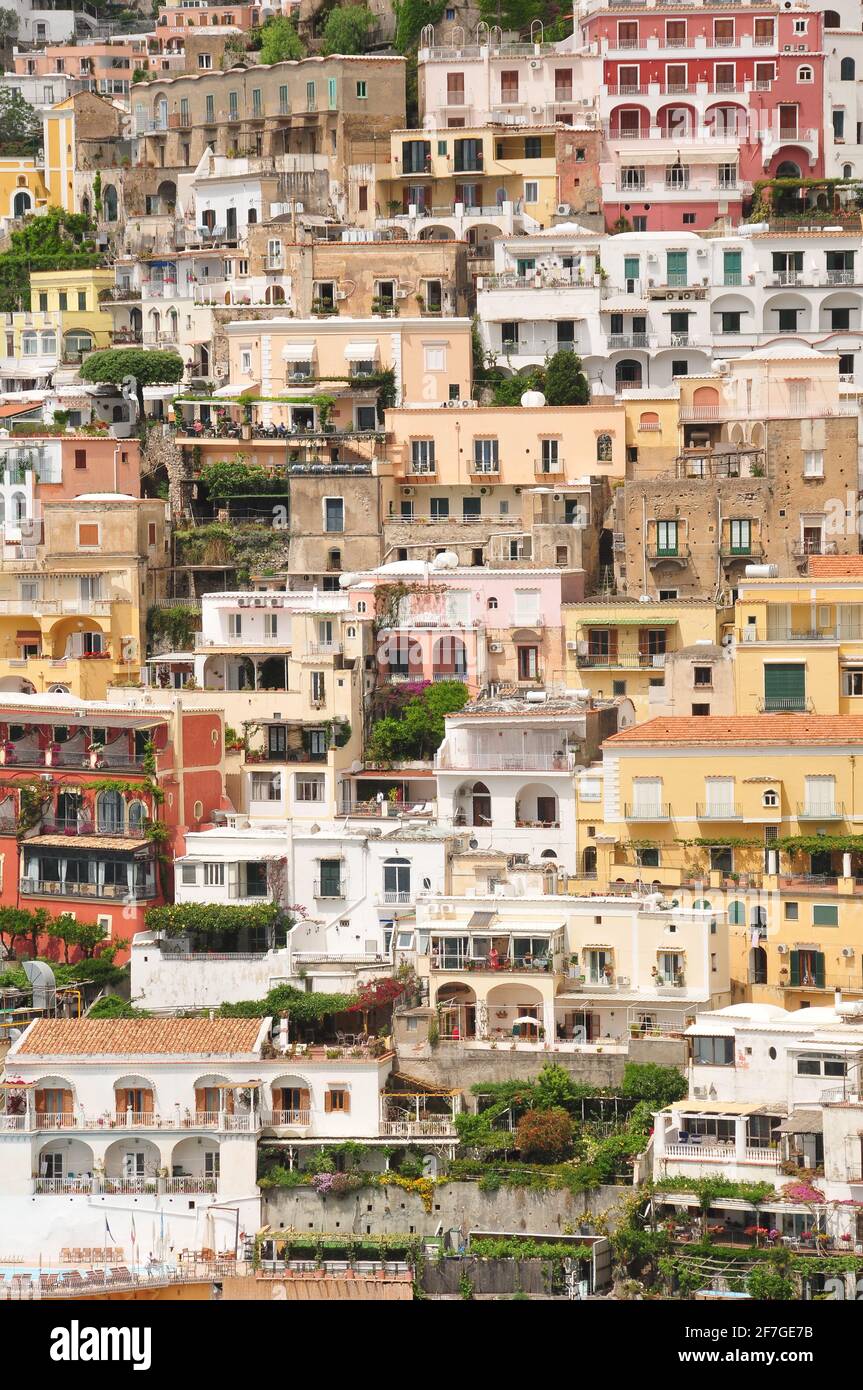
{"x": 737, "y": 913}
{"x": 397, "y": 880}
{"x": 770, "y": 797}
{"x": 22, "y": 204}
{"x": 137, "y": 815}
{"x": 109, "y": 813}
{"x": 805, "y": 74}
{"x": 603, "y": 448}
{"x": 18, "y": 506}
{"x": 847, "y": 171}
{"x": 847, "y": 70}
{"x": 832, "y": 20}
{"x": 252, "y": 217}
{"x": 110, "y": 202}
{"x": 548, "y": 854}
{"x": 649, "y": 420}
{"x": 588, "y": 861}
{"x": 492, "y": 602}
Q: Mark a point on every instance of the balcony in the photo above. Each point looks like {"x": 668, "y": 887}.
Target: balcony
{"x": 753, "y": 551}
{"x": 664, "y": 555}
{"x": 286, "y": 1119}
{"x": 442, "y": 1128}
{"x": 784, "y": 704}
{"x": 727, "y": 811}
{"x": 652, "y": 812}
{"x": 484, "y": 468}
{"x": 817, "y": 810}
{"x": 455, "y": 760}
{"x": 330, "y": 890}
{"x": 549, "y": 468}
{"x": 613, "y": 341}
{"x": 108, "y": 892}
{"x": 629, "y": 661}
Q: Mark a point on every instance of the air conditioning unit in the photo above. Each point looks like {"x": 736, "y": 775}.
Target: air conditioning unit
{"x": 341, "y": 294}
{"x": 563, "y": 209}
{"x": 671, "y": 295}
{"x": 535, "y": 110}
{"x": 402, "y": 294}
{"x": 801, "y": 48}
{"x": 686, "y": 295}
{"x": 243, "y": 602}
{"x": 848, "y": 952}
{"x": 259, "y": 603}
{"x": 572, "y": 646}
{"x": 495, "y": 646}
{"x": 623, "y": 981}
{"x": 699, "y": 1091}
{"x": 557, "y": 497}
{"x": 483, "y": 492}
{"x": 781, "y": 948}
{"x": 535, "y": 63}
{"x": 408, "y": 491}
{"x": 786, "y": 48}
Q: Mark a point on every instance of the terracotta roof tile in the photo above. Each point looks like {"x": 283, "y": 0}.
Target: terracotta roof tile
{"x": 836, "y": 566}
{"x": 139, "y": 1037}
{"x": 743, "y": 729}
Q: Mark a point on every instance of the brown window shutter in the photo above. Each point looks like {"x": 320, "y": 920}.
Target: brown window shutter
{"x": 612, "y": 642}
{"x": 228, "y": 1102}
{"x": 305, "y": 1100}
{"x": 200, "y": 1101}
{"x": 328, "y": 1101}
{"x": 147, "y": 1102}
{"x": 41, "y": 1103}
{"x": 277, "y": 1098}
{"x": 67, "y": 1102}
{"x": 346, "y": 1101}
{"x": 643, "y": 641}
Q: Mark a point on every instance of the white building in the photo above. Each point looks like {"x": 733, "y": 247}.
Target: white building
{"x": 158, "y": 1120}
{"x": 641, "y": 308}
{"x": 353, "y": 889}
{"x": 773, "y": 1093}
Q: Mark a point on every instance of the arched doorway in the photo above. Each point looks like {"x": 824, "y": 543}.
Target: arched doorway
{"x": 22, "y": 203}
{"x": 480, "y": 804}
{"x": 449, "y": 659}
{"x": 588, "y": 862}
{"x": 110, "y": 202}
{"x": 627, "y": 375}
{"x": 758, "y": 966}
{"x": 456, "y": 1012}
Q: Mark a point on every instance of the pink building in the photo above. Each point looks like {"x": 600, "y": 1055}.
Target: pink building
{"x": 475, "y": 625}
{"x": 700, "y": 102}
{"x": 106, "y": 67}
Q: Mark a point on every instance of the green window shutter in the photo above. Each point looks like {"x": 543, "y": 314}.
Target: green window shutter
{"x": 785, "y": 686}
{"x": 819, "y": 969}
{"x": 676, "y": 265}
{"x": 795, "y": 967}
{"x": 631, "y": 267}
{"x": 732, "y": 262}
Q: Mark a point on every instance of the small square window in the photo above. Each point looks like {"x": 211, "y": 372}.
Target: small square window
{"x": 362, "y": 91}
{"x": 792, "y": 912}
{"x": 531, "y": 191}
{"x": 618, "y": 687}
{"x": 689, "y": 219}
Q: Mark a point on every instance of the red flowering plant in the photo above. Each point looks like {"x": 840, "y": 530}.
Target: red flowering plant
{"x": 802, "y": 1192}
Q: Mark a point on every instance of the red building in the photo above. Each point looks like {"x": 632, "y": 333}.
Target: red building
{"x": 94, "y": 801}
{"x": 701, "y": 102}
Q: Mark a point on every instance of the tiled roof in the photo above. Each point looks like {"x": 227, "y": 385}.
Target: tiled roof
{"x": 744, "y": 729}
{"x": 836, "y": 566}
{"x": 139, "y": 1037}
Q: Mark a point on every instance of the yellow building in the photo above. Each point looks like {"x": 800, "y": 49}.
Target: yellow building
{"x": 799, "y": 642}
{"x": 58, "y": 126}
{"x": 620, "y": 646}
{"x": 758, "y": 815}
{"x": 471, "y": 166}
{"x": 74, "y": 601}
{"x": 652, "y": 430}
{"x": 73, "y": 296}
{"x": 22, "y": 188}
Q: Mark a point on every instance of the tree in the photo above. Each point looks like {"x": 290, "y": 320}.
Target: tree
{"x": 14, "y": 922}
{"x": 510, "y": 390}
{"x": 56, "y": 240}
{"x": 660, "y": 1086}
{"x": 63, "y": 928}
{"x": 89, "y": 935}
{"x": 554, "y": 1088}
{"x": 411, "y": 18}
{"x": 545, "y": 1136}
{"x": 280, "y": 41}
{"x": 20, "y": 126}
{"x": 565, "y": 382}
{"x": 139, "y": 367}
{"x": 348, "y": 30}
{"x": 8, "y": 25}
{"x": 418, "y": 732}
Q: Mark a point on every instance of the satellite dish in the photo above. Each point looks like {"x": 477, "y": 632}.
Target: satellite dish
{"x": 41, "y": 977}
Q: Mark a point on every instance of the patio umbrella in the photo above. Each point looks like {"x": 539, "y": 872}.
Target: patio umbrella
{"x": 526, "y": 1018}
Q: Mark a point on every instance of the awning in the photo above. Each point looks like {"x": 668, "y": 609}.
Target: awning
{"x": 361, "y": 352}
{"x": 643, "y": 620}
{"x": 802, "y": 1122}
{"x": 626, "y": 306}
{"x": 298, "y": 352}
{"x": 27, "y": 637}
{"x": 236, "y": 389}
{"x": 482, "y": 919}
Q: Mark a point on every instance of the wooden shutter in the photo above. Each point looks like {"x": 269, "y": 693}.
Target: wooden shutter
{"x": 66, "y": 1102}
{"x": 200, "y": 1100}
{"x": 228, "y": 1102}
{"x": 819, "y": 969}
{"x": 346, "y": 1102}
{"x": 277, "y": 1098}
{"x": 41, "y": 1103}
{"x": 643, "y": 641}
{"x": 328, "y": 1101}
{"x": 305, "y": 1099}
{"x": 147, "y": 1102}
{"x": 795, "y": 967}
{"x": 612, "y": 642}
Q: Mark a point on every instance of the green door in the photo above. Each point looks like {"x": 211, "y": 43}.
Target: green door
{"x": 784, "y": 686}
{"x": 732, "y": 267}
{"x": 676, "y": 267}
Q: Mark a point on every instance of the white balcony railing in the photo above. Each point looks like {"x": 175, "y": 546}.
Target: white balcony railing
{"x": 420, "y": 1129}
{"x": 294, "y": 1119}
